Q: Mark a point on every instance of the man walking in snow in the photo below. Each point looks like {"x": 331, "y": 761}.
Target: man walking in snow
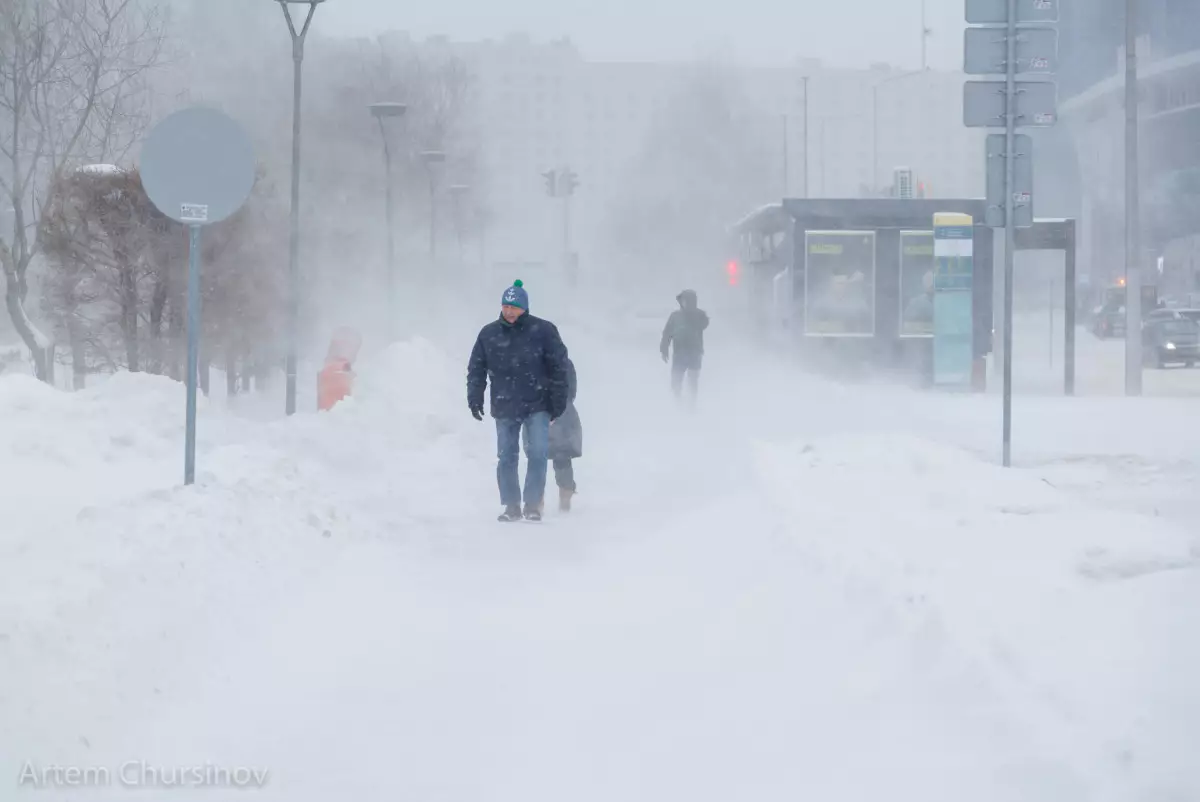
{"x": 526, "y": 362}
{"x": 685, "y": 330}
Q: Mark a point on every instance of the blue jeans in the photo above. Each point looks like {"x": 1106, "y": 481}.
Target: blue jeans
{"x": 508, "y": 452}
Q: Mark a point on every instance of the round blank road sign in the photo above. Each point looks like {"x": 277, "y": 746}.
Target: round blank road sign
{"x": 197, "y": 166}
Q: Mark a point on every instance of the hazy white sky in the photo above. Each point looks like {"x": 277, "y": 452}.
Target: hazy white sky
{"x": 842, "y": 32}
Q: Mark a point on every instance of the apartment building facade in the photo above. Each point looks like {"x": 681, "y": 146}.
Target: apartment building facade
{"x": 831, "y": 132}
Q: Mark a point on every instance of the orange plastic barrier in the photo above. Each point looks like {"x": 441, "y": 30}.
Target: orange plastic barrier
{"x": 336, "y": 379}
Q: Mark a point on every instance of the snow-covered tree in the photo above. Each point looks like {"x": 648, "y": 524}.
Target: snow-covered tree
{"x": 116, "y": 276}
{"x": 70, "y": 71}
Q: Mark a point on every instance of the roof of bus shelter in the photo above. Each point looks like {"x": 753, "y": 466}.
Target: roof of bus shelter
{"x": 879, "y": 212}
{"x": 858, "y": 213}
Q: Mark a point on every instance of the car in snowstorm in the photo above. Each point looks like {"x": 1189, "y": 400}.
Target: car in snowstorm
{"x": 1108, "y": 321}
{"x": 1170, "y": 340}
{"x": 1173, "y": 313}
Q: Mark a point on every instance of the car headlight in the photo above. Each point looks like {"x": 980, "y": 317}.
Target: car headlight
{"x": 1170, "y": 346}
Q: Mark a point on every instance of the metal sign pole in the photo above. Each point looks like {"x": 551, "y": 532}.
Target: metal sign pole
{"x": 1017, "y": 48}
{"x": 193, "y": 352}
{"x": 1069, "y": 303}
{"x": 1133, "y": 256}
{"x": 197, "y": 167}
{"x": 1010, "y": 118}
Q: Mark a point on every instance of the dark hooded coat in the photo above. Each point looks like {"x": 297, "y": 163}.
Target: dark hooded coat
{"x": 685, "y": 330}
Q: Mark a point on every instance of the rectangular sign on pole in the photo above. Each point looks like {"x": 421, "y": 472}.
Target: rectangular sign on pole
{"x": 953, "y": 317}
{"x": 1022, "y": 189}
{"x": 985, "y": 51}
{"x": 984, "y": 104}
{"x": 995, "y": 12}
{"x": 839, "y": 283}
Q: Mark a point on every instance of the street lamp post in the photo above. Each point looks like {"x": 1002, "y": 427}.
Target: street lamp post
{"x": 431, "y": 158}
{"x": 806, "y": 79}
{"x": 381, "y": 112}
{"x": 457, "y": 192}
{"x": 1133, "y": 256}
{"x": 875, "y": 123}
{"x": 298, "y": 37}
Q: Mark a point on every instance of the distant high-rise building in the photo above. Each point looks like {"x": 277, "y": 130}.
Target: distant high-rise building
{"x": 542, "y": 106}
{"x": 1092, "y": 36}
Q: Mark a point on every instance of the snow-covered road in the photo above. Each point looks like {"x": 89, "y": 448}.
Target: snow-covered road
{"x": 804, "y": 590}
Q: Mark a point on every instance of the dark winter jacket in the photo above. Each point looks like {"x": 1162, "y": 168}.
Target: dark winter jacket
{"x": 526, "y": 363}
{"x": 566, "y": 433}
{"x": 685, "y": 328}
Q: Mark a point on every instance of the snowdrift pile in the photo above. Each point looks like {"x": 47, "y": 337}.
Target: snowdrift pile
{"x": 1080, "y": 617}
{"x": 845, "y": 617}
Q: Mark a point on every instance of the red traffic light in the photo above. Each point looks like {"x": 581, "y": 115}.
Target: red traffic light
{"x": 731, "y": 270}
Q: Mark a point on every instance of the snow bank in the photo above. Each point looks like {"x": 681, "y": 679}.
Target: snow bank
{"x": 134, "y": 576}
{"x": 1085, "y": 618}
{"x": 333, "y": 593}
{"x": 61, "y": 448}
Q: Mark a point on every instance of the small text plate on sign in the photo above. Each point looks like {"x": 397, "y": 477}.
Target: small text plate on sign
{"x": 193, "y": 212}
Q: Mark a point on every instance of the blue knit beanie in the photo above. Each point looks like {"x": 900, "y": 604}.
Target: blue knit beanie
{"x": 516, "y": 296}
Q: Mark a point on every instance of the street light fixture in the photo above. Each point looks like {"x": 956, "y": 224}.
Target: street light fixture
{"x": 384, "y": 111}
{"x": 430, "y": 158}
{"x": 875, "y": 121}
{"x": 298, "y": 37}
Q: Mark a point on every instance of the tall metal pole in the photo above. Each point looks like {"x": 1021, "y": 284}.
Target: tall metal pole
{"x": 806, "y": 136}
{"x": 1133, "y": 273}
{"x": 1050, "y": 333}
{"x": 874, "y": 140}
{"x": 457, "y": 193}
{"x": 432, "y": 218}
{"x": 924, "y": 38}
{"x": 1010, "y": 119}
{"x": 294, "y": 235}
{"x": 389, "y": 218}
{"x": 1069, "y": 304}
{"x": 567, "y": 232}
{"x": 458, "y": 236}
{"x": 786, "y": 167}
{"x": 193, "y": 353}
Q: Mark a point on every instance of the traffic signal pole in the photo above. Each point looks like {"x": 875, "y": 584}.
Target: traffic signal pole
{"x": 562, "y": 184}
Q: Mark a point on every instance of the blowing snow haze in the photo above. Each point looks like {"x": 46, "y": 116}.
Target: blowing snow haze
{"x": 714, "y": 510}
{"x": 852, "y": 33}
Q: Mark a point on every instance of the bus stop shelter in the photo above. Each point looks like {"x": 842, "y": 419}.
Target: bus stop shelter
{"x": 895, "y": 281}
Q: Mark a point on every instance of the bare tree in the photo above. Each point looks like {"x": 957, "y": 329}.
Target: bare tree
{"x": 69, "y": 292}
{"x": 68, "y": 69}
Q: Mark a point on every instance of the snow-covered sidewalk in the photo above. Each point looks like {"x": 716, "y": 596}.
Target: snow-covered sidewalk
{"x": 803, "y": 591}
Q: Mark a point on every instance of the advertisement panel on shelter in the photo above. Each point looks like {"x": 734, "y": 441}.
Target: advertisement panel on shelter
{"x": 953, "y": 282}
{"x": 916, "y": 283}
{"x": 839, "y": 283}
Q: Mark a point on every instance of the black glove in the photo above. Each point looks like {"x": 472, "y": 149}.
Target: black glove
{"x": 477, "y": 411}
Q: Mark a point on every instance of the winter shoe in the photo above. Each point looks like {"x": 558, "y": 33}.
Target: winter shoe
{"x": 511, "y": 513}
{"x": 564, "y": 499}
{"x": 533, "y": 513}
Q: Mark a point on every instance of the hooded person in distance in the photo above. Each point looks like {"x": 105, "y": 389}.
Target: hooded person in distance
{"x": 684, "y": 333}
